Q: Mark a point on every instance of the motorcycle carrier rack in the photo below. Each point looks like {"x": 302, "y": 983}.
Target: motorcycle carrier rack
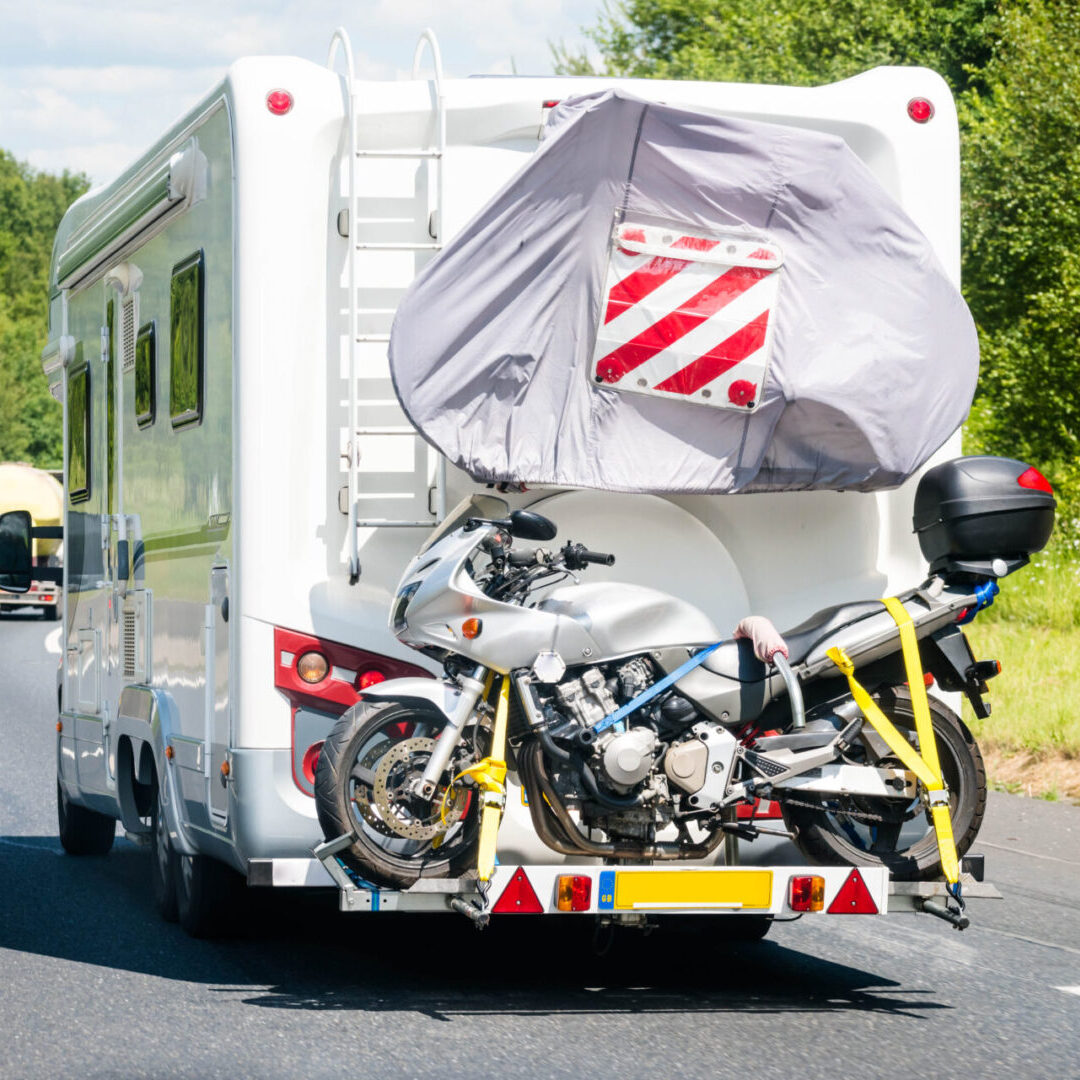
{"x": 630, "y": 891}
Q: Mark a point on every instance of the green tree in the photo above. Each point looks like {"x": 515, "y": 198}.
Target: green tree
{"x": 1021, "y": 167}
{"x": 788, "y": 41}
{"x": 1012, "y": 65}
{"x": 31, "y": 206}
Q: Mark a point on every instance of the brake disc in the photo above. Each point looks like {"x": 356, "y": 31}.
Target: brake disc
{"x": 389, "y": 807}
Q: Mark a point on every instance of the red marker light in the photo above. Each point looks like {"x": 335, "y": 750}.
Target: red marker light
{"x": 550, "y": 104}
{"x": 920, "y": 110}
{"x": 279, "y": 102}
{"x": 370, "y": 678}
{"x": 311, "y": 761}
{"x": 1034, "y": 480}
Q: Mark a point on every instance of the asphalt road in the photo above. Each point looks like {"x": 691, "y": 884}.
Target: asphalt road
{"x": 93, "y": 984}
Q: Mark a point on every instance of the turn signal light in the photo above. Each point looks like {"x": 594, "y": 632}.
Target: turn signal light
{"x": 807, "y": 893}
{"x": 574, "y": 892}
{"x": 312, "y": 667}
{"x": 471, "y": 628}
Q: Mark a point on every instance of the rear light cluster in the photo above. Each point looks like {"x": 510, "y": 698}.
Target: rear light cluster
{"x": 806, "y": 892}
{"x": 574, "y": 892}
{"x": 321, "y": 679}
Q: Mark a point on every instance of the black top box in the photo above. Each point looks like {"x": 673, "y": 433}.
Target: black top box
{"x": 982, "y": 515}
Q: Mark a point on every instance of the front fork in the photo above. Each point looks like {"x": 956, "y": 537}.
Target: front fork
{"x": 472, "y": 687}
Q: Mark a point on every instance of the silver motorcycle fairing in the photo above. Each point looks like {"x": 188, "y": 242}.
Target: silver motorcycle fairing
{"x": 582, "y": 623}
{"x": 624, "y": 619}
{"x": 445, "y": 696}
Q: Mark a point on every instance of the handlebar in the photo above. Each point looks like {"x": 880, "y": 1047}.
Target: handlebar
{"x": 577, "y": 557}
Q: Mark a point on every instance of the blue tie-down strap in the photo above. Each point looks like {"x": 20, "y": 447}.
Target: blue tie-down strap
{"x": 984, "y": 597}
{"x": 657, "y": 688}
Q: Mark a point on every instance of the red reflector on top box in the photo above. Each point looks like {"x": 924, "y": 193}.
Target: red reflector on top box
{"x": 518, "y": 898}
{"x": 853, "y": 898}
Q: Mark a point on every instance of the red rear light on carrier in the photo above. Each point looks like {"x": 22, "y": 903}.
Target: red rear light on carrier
{"x": 574, "y": 892}
{"x": 806, "y": 892}
{"x": 1034, "y": 480}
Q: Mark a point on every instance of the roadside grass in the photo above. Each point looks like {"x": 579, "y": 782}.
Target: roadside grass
{"x": 1032, "y": 740}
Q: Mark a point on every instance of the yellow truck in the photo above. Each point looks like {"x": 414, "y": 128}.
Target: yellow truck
{"x": 22, "y": 487}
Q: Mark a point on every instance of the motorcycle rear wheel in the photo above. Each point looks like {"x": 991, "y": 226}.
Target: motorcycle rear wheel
{"x": 905, "y": 842}
{"x": 393, "y": 740}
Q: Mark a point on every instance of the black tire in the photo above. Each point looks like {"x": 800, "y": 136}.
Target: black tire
{"x": 50, "y": 612}
{"x": 82, "y": 831}
{"x": 162, "y": 862}
{"x": 207, "y": 895}
{"x": 907, "y": 848}
{"x": 377, "y": 853}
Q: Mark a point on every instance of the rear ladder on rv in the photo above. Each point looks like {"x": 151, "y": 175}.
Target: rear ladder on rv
{"x": 393, "y": 478}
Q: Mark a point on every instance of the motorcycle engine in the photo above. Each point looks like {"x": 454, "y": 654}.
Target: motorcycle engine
{"x": 657, "y": 752}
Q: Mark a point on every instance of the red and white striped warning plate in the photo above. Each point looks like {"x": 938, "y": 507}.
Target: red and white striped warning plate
{"x": 686, "y": 316}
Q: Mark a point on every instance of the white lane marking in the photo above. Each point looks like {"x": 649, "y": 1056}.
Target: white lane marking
{"x": 52, "y": 641}
{"x": 1029, "y": 854}
{"x": 1069, "y": 989}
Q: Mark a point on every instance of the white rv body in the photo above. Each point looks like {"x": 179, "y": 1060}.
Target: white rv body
{"x": 237, "y": 524}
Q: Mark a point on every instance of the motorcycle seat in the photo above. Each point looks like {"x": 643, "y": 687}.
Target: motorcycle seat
{"x": 735, "y": 659}
{"x": 803, "y": 638}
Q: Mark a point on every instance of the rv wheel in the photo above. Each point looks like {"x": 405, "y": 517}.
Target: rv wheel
{"x": 162, "y": 862}
{"x": 50, "y": 612}
{"x": 82, "y": 831}
{"x": 206, "y": 895}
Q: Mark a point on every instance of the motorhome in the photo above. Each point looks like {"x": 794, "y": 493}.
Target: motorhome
{"x": 243, "y": 489}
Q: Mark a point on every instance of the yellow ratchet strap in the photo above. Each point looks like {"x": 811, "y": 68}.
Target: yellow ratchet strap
{"x": 924, "y": 762}
{"x": 490, "y": 775}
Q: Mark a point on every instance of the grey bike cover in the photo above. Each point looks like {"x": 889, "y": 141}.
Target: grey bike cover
{"x": 668, "y": 301}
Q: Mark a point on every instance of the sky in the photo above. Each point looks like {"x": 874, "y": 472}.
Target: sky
{"x": 86, "y": 85}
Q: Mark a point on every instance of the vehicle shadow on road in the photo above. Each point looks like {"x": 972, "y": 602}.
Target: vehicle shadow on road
{"x": 293, "y": 951}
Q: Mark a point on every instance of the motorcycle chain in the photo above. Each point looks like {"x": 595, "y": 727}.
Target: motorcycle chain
{"x": 858, "y": 815}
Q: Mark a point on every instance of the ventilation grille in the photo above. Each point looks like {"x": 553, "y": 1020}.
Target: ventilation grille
{"x": 128, "y": 322}
{"x": 129, "y": 631}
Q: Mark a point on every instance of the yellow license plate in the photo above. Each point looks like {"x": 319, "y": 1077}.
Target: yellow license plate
{"x": 693, "y": 888}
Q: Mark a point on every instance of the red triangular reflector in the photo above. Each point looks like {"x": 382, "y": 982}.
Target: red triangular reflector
{"x": 853, "y": 898}
{"x": 518, "y": 898}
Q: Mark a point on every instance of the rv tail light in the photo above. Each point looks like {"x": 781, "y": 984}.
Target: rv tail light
{"x": 807, "y": 892}
{"x": 279, "y": 102}
{"x": 1034, "y": 480}
{"x": 920, "y": 110}
{"x": 312, "y": 667}
{"x": 370, "y": 678}
{"x": 311, "y": 760}
{"x": 574, "y": 892}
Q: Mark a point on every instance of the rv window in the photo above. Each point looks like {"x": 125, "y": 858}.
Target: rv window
{"x": 79, "y": 429}
{"x": 145, "y": 395}
{"x": 110, "y": 401}
{"x": 186, "y": 342}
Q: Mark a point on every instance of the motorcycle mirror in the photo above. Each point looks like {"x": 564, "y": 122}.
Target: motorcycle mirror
{"x": 527, "y": 525}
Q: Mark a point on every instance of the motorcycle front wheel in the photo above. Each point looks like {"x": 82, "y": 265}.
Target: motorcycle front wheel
{"x": 898, "y": 834}
{"x": 363, "y": 788}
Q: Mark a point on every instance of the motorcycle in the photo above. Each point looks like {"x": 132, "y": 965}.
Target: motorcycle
{"x": 637, "y": 732}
